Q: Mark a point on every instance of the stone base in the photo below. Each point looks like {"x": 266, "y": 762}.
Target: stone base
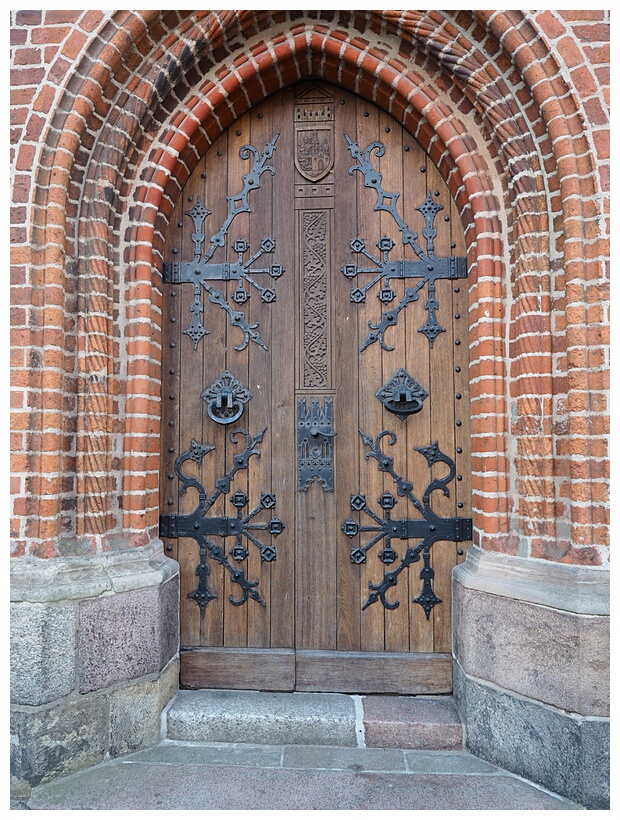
{"x": 564, "y": 753}
{"x": 531, "y": 670}
{"x": 74, "y": 733}
{"x": 94, "y": 659}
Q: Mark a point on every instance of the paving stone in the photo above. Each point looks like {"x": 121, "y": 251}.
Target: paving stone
{"x": 355, "y": 760}
{"x": 412, "y": 722}
{"x": 224, "y": 716}
{"x": 181, "y": 787}
{"x": 214, "y": 754}
{"x": 447, "y": 763}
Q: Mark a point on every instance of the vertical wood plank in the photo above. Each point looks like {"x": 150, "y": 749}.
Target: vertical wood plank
{"x": 443, "y": 553}
{"x": 169, "y": 435}
{"x": 346, "y": 382}
{"x": 415, "y": 163}
{"x": 371, "y": 417}
{"x": 391, "y": 166}
{"x": 282, "y": 423}
{"x": 236, "y": 617}
{"x": 213, "y": 352}
{"x": 460, "y": 306}
{"x": 190, "y": 411}
{"x": 259, "y": 380}
{"x": 316, "y": 611}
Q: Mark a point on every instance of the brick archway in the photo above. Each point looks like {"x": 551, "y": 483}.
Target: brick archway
{"x": 483, "y": 94}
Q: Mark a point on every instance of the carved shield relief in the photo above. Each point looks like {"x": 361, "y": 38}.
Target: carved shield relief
{"x": 314, "y": 134}
{"x": 314, "y": 152}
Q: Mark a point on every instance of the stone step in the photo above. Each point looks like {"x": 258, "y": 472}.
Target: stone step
{"x": 309, "y": 719}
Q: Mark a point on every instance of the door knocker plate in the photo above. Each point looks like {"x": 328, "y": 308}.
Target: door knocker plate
{"x": 402, "y": 395}
{"x": 225, "y": 398}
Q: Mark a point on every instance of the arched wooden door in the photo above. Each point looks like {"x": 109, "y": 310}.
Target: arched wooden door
{"x": 315, "y": 438}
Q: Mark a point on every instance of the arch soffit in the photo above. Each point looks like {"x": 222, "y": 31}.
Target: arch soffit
{"x": 432, "y": 34}
{"x": 214, "y": 35}
{"x": 311, "y": 40}
{"x": 202, "y": 111}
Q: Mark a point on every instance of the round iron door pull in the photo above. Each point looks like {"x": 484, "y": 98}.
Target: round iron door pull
{"x": 223, "y": 409}
{"x": 404, "y": 408}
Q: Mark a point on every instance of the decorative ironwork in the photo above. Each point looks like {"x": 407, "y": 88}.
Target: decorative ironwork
{"x": 203, "y": 528}
{"x": 226, "y": 398}
{"x": 315, "y": 444}
{"x": 428, "y": 529}
{"x": 201, "y": 271}
{"x": 428, "y": 268}
{"x": 402, "y": 395}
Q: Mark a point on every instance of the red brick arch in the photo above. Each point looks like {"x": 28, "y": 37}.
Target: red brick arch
{"x": 483, "y": 94}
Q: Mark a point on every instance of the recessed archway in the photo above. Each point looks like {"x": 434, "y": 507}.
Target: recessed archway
{"x": 445, "y": 77}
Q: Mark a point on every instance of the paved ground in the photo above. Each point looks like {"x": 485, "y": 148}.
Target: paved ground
{"x": 190, "y": 776}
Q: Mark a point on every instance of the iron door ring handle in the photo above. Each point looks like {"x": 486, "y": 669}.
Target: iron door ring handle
{"x": 404, "y": 408}
{"x": 237, "y": 407}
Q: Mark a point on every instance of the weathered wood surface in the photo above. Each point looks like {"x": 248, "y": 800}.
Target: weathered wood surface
{"x": 313, "y": 592}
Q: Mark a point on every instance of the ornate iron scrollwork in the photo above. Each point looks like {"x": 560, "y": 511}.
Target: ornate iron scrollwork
{"x": 402, "y": 395}
{"x": 315, "y": 444}
{"x": 201, "y": 272}
{"x": 430, "y": 528}
{"x": 203, "y": 528}
{"x": 226, "y": 398}
{"x": 427, "y": 269}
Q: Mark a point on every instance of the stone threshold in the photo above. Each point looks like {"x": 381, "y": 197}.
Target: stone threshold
{"x": 429, "y": 723}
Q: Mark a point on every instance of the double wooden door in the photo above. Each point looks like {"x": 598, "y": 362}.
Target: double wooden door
{"x": 315, "y": 478}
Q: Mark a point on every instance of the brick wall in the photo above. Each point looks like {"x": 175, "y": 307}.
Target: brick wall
{"x": 111, "y": 111}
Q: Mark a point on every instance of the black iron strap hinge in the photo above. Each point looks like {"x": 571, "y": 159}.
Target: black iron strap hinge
{"x": 463, "y": 529}
{"x": 243, "y": 527}
{"x": 204, "y": 274}
{"x": 198, "y": 271}
{"x": 423, "y": 272}
{"x": 426, "y": 529}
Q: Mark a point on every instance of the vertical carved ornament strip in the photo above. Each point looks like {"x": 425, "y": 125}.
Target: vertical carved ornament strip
{"x": 314, "y": 255}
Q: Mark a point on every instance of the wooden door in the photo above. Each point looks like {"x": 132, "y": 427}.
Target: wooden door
{"x": 315, "y": 479}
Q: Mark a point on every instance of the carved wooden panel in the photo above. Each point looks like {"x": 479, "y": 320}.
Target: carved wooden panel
{"x": 314, "y": 250}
